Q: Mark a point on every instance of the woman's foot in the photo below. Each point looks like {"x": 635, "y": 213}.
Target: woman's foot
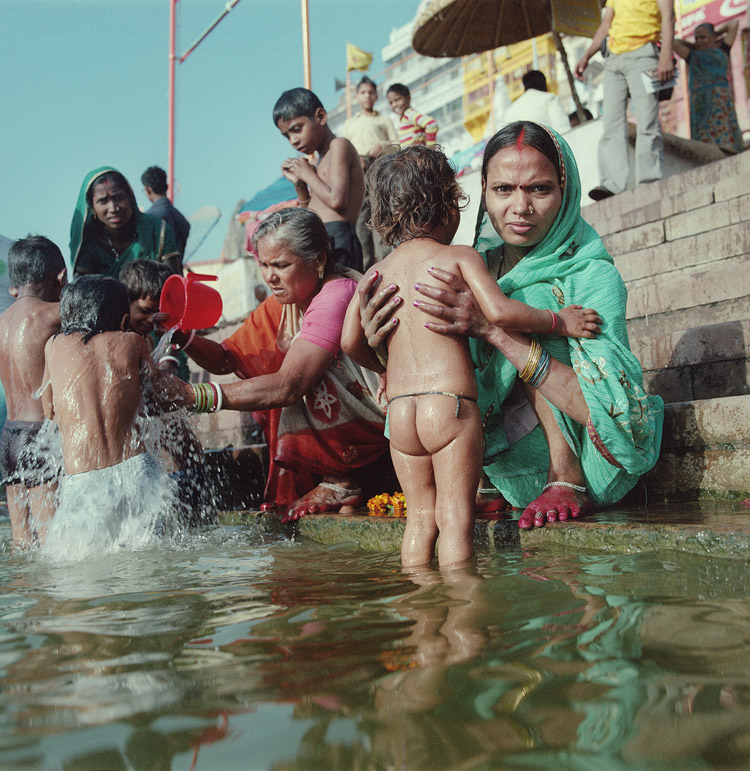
{"x": 330, "y": 495}
{"x": 557, "y": 503}
{"x": 490, "y": 504}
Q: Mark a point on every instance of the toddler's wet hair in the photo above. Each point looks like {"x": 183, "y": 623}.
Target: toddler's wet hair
{"x": 93, "y": 304}
{"x": 144, "y": 279}
{"x": 412, "y": 191}
{"x": 32, "y": 259}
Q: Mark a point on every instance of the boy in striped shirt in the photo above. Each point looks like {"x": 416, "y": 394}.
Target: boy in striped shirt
{"x": 414, "y": 128}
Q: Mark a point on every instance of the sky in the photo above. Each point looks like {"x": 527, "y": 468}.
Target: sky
{"x": 85, "y": 84}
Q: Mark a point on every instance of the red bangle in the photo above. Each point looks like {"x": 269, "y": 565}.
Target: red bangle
{"x": 553, "y": 326}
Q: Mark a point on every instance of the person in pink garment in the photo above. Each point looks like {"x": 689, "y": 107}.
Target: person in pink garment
{"x": 319, "y": 411}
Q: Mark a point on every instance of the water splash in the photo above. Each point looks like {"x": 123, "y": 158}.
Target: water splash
{"x": 161, "y": 347}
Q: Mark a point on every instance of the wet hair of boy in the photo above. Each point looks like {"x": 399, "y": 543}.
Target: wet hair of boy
{"x": 295, "y": 103}
{"x": 32, "y": 259}
{"x": 144, "y": 279}
{"x": 93, "y": 304}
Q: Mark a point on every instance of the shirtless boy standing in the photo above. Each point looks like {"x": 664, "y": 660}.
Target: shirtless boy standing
{"x": 434, "y": 421}
{"x": 334, "y": 187}
{"x": 96, "y": 371}
{"x": 37, "y": 275}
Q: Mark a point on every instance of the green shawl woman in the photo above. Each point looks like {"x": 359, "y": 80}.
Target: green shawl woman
{"x": 569, "y": 266}
{"x": 91, "y": 248}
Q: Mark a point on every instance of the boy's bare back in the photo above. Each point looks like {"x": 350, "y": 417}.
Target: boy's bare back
{"x": 25, "y": 327}
{"x": 418, "y": 359}
{"x": 94, "y": 394}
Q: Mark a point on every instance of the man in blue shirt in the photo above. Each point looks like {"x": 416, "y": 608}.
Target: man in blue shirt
{"x": 154, "y": 181}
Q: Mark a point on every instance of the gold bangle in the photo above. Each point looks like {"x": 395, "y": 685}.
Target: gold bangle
{"x": 535, "y": 354}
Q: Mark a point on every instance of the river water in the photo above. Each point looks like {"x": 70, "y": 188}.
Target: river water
{"x": 234, "y": 650}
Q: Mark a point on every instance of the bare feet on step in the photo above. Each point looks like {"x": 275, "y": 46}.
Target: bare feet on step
{"x": 490, "y": 503}
{"x": 338, "y": 495}
{"x": 558, "y": 502}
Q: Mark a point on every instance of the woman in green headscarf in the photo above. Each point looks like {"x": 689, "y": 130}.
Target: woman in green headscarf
{"x": 587, "y": 431}
{"x": 108, "y": 230}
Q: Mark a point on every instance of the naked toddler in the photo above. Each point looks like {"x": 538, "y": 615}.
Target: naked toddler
{"x": 434, "y": 421}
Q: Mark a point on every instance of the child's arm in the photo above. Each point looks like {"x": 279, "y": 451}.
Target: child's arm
{"x": 336, "y": 194}
{"x": 353, "y": 341}
{"x": 500, "y": 310}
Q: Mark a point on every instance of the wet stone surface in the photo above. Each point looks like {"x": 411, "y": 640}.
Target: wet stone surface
{"x": 709, "y": 528}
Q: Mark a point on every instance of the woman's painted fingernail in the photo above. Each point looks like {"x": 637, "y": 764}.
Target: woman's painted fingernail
{"x": 394, "y": 322}
{"x": 396, "y": 300}
{"x": 375, "y": 274}
{"x": 416, "y": 286}
{"x": 392, "y": 287}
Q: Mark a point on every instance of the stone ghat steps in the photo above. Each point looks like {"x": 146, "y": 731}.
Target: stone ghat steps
{"x": 682, "y": 246}
{"x": 706, "y": 528}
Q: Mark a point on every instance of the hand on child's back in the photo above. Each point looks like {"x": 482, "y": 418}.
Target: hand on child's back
{"x": 577, "y": 321}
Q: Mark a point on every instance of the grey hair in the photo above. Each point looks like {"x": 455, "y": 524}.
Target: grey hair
{"x": 301, "y": 230}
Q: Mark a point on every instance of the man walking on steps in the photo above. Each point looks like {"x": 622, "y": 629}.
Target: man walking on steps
{"x": 640, "y": 39}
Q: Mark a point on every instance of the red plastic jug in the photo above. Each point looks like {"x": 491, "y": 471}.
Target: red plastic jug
{"x": 190, "y": 304}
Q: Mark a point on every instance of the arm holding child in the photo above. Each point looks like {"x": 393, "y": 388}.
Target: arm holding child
{"x": 502, "y": 311}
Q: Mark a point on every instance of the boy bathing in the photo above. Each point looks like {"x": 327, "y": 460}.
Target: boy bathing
{"x": 334, "y": 187}
{"x": 96, "y": 372}
{"x": 434, "y": 421}
{"x": 37, "y": 275}
{"x": 175, "y": 441}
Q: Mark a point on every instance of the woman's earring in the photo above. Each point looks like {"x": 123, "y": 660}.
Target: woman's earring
{"x": 321, "y": 271}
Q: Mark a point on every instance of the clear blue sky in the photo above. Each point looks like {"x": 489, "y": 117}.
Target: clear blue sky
{"x": 84, "y": 84}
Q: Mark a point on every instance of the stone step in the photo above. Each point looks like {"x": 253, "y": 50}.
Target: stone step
{"x": 705, "y": 451}
{"x": 705, "y": 528}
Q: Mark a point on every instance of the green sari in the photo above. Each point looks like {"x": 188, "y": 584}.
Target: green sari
{"x": 621, "y": 441}
{"x": 154, "y": 238}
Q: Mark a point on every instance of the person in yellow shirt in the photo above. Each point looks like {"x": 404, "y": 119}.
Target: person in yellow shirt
{"x": 639, "y": 37}
{"x": 370, "y": 133}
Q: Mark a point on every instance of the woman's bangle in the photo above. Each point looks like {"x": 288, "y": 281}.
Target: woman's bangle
{"x": 169, "y": 359}
{"x": 541, "y": 370}
{"x": 208, "y": 397}
{"x": 553, "y": 325}
{"x": 535, "y": 354}
{"x": 190, "y": 339}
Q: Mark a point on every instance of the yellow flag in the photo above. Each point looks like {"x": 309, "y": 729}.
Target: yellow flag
{"x": 357, "y": 59}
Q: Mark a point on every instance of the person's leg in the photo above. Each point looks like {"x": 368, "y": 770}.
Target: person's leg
{"x": 413, "y": 464}
{"x": 364, "y": 234}
{"x": 417, "y": 481}
{"x": 559, "y": 501}
{"x": 613, "y": 145}
{"x": 649, "y": 160}
{"x": 457, "y": 469}
{"x": 20, "y": 515}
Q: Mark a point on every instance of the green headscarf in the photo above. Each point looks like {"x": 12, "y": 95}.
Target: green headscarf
{"x": 570, "y": 266}
{"x": 154, "y": 238}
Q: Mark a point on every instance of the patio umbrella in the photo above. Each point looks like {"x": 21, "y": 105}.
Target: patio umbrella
{"x": 460, "y": 27}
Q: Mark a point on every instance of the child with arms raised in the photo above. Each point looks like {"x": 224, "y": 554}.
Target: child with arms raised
{"x": 334, "y": 187}
{"x": 435, "y": 424}
{"x": 95, "y": 373}
{"x": 37, "y": 274}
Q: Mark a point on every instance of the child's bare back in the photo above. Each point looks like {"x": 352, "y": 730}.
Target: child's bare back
{"x": 94, "y": 393}
{"x": 418, "y": 359}
{"x": 25, "y": 327}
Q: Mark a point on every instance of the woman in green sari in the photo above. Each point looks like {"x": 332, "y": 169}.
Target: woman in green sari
{"x": 587, "y": 431}
{"x": 108, "y": 230}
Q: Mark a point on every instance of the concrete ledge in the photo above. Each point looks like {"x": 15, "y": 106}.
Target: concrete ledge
{"x": 715, "y": 529}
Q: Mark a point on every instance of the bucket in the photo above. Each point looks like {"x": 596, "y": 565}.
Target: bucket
{"x": 188, "y": 303}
